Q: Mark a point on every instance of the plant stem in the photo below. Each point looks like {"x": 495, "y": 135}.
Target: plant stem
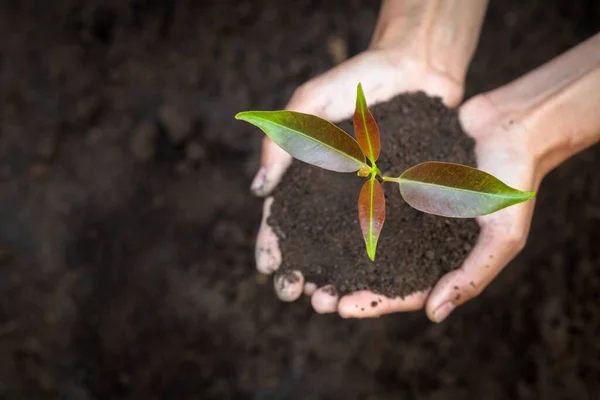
{"x": 390, "y": 179}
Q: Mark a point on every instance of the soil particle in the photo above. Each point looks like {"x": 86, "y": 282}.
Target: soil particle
{"x": 316, "y": 210}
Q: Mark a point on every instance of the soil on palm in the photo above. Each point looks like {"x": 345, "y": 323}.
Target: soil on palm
{"x": 316, "y": 219}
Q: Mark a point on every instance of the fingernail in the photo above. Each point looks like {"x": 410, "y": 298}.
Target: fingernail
{"x": 325, "y": 300}
{"x": 267, "y": 178}
{"x": 289, "y": 285}
{"x": 259, "y": 181}
{"x": 309, "y": 288}
{"x": 442, "y": 312}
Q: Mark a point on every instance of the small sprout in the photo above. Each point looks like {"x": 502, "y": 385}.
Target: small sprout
{"x": 371, "y": 201}
{"x": 440, "y": 188}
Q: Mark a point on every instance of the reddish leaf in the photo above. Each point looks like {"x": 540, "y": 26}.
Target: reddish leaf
{"x": 371, "y": 213}
{"x": 309, "y": 138}
{"x": 365, "y": 127}
{"x": 454, "y": 190}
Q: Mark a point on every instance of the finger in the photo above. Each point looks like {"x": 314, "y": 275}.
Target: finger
{"x": 365, "y": 304}
{"x": 289, "y": 285}
{"x": 498, "y": 244}
{"x": 267, "y": 252}
{"x": 274, "y": 163}
{"x": 325, "y": 300}
{"x": 310, "y": 288}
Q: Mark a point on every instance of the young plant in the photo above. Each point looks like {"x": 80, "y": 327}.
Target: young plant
{"x": 440, "y": 188}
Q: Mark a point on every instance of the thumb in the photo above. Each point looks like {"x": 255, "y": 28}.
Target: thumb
{"x": 274, "y": 163}
{"x": 502, "y": 237}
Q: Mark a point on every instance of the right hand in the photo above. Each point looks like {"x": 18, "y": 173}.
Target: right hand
{"x": 383, "y": 74}
{"x": 530, "y": 126}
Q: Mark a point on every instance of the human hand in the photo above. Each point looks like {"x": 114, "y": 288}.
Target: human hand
{"x": 522, "y": 131}
{"x": 416, "y": 46}
{"x": 502, "y": 151}
{"x": 384, "y": 75}
{"x": 499, "y": 151}
{"x": 405, "y": 55}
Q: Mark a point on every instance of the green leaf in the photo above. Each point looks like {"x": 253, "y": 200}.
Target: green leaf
{"x": 309, "y": 138}
{"x": 365, "y": 127}
{"x": 371, "y": 213}
{"x": 458, "y": 191}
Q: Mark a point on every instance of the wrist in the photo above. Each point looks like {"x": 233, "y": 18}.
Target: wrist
{"x": 540, "y": 134}
{"x": 438, "y": 36}
{"x": 555, "y": 106}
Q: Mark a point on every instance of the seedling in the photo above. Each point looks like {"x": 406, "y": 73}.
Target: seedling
{"x": 440, "y": 188}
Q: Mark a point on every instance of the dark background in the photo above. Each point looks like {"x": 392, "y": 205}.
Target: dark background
{"x": 127, "y": 228}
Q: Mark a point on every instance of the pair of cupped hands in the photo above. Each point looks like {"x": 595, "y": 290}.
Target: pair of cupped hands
{"x": 501, "y": 150}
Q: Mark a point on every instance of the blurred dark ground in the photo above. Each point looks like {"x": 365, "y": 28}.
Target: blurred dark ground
{"x": 127, "y": 229}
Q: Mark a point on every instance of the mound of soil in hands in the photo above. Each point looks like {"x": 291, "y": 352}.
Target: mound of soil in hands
{"x": 315, "y": 211}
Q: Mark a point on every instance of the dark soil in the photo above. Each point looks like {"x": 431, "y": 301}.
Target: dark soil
{"x": 315, "y": 211}
{"x": 127, "y": 228}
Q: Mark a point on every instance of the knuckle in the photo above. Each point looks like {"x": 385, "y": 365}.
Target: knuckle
{"x": 474, "y": 292}
{"x": 462, "y": 296}
{"x": 466, "y": 294}
{"x": 465, "y": 287}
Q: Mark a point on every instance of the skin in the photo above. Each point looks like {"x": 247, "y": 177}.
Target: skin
{"x": 522, "y": 131}
{"x": 417, "y": 45}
